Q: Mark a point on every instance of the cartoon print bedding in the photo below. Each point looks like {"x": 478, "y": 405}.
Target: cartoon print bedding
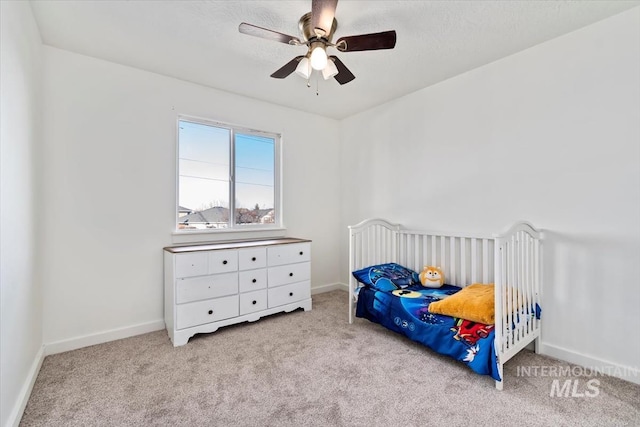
{"x": 405, "y": 311}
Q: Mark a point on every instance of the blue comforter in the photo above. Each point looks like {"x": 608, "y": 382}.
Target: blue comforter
{"x": 405, "y": 311}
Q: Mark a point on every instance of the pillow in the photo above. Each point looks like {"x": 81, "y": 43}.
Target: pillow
{"x": 386, "y": 277}
{"x": 475, "y": 303}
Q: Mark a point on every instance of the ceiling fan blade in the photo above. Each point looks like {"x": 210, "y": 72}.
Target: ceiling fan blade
{"x": 374, "y": 41}
{"x": 344, "y": 75}
{"x": 322, "y": 14}
{"x": 287, "y": 69}
{"x": 254, "y": 30}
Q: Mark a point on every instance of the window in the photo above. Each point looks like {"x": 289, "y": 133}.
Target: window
{"x": 228, "y": 177}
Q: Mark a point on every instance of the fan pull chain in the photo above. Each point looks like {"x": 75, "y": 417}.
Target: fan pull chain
{"x": 317, "y": 84}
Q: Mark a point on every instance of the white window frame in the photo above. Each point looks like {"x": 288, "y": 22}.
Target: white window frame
{"x": 278, "y": 223}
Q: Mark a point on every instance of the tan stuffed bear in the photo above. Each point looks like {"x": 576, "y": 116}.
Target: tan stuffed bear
{"x": 431, "y": 277}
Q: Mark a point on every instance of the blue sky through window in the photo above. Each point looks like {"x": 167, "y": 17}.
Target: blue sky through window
{"x": 255, "y": 157}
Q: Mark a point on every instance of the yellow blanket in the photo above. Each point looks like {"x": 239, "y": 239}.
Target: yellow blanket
{"x": 475, "y": 303}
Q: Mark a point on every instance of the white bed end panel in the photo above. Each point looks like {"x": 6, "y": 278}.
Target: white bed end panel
{"x": 371, "y": 242}
{"x": 518, "y": 289}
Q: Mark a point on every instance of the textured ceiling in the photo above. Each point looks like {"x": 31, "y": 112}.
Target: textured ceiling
{"x": 198, "y": 41}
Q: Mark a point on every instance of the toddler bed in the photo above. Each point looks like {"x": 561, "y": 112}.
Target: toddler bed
{"x": 384, "y": 288}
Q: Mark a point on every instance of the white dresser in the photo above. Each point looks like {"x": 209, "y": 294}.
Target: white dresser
{"x": 214, "y": 285}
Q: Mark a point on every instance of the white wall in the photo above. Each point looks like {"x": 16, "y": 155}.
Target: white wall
{"x": 20, "y": 291}
{"x": 551, "y": 135}
{"x": 109, "y": 188}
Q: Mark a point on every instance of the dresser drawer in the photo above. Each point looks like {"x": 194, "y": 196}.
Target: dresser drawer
{"x": 249, "y": 259}
{"x": 288, "y": 254}
{"x": 253, "y": 301}
{"x": 192, "y": 264}
{"x": 252, "y": 280}
{"x": 201, "y": 312}
{"x": 206, "y": 287}
{"x": 223, "y": 261}
{"x": 289, "y": 274}
{"x": 289, "y": 293}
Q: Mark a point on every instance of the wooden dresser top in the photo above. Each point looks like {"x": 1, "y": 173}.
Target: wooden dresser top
{"x": 235, "y": 244}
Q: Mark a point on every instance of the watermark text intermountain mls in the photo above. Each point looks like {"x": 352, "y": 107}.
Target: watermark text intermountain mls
{"x": 574, "y": 381}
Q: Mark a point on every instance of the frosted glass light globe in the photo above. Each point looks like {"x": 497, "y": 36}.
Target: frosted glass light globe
{"x": 330, "y": 70}
{"x": 318, "y": 58}
{"x": 304, "y": 69}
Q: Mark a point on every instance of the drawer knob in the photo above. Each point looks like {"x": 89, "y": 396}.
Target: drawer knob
{"x": 301, "y": 252}
{"x": 290, "y": 274}
{"x": 210, "y": 311}
{"x": 253, "y": 259}
{"x": 290, "y": 294}
{"x": 254, "y": 302}
{"x": 254, "y": 280}
{"x": 224, "y": 262}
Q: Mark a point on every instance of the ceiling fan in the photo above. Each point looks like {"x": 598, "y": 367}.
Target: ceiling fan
{"x": 317, "y": 28}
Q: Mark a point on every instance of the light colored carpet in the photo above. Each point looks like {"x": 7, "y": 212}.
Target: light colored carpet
{"x": 304, "y": 369}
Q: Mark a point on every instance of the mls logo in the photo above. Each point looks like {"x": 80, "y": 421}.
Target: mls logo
{"x": 571, "y": 388}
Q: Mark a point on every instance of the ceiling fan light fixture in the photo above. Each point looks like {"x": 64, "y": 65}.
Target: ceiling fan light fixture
{"x": 317, "y": 29}
{"x": 330, "y": 70}
{"x": 304, "y": 68}
{"x": 318, "y": 56}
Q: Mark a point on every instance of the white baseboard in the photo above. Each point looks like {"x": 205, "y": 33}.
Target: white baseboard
{"x": 130, "y": 331}
{"x": 102, "y": 337}
{"x": 25, "y": 392}
{"x": 627, "y": 373}
{"x": 328, "y": 288}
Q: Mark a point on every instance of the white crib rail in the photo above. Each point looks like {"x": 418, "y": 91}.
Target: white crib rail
{"x": 517, "y": 291}
{"x": 463, "y": 259}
